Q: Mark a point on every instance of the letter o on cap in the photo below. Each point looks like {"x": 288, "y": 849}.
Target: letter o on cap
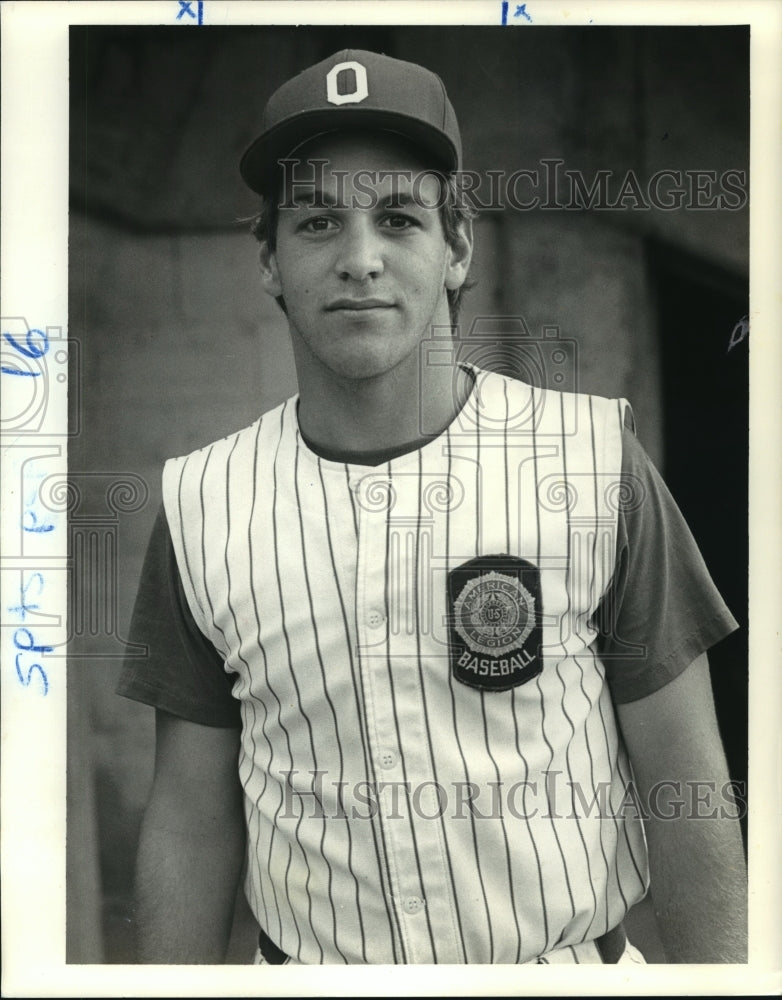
{"x": 361, "y": 88}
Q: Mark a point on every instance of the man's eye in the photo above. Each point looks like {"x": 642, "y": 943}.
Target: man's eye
{"x": 397, "y": 221}
{"x": 320, "y": 224}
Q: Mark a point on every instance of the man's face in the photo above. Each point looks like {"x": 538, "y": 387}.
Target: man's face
{"x": 364, "y": 278}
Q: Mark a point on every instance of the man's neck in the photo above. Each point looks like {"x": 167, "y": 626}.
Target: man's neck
{"x": 370, "y": 421}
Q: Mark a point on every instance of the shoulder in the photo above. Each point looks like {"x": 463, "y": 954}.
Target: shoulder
{"x": 195, "y": 480}
{"x": 524, "y": 403}
{"x": 224, "y": 446}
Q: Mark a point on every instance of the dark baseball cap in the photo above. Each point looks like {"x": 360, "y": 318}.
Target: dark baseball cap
{"x": 355, "y": 89}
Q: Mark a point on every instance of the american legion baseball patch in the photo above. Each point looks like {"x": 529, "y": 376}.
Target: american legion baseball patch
{"x": 495, "y": 613}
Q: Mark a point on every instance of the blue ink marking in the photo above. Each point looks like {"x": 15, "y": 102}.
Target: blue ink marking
{"x": 35, "y": 526}
{"x": 31, "y": 648}
{"x": 16, "y": 371}
{"x": 28, "y": 680}
{"x": 32, "y": 350}
{"x": 504, "y": 11}
{"x": 521, "y": 11}
{"x": 23, "y": 608}
{"x": 23, "y": 637}
{"x": 185, "y": 8}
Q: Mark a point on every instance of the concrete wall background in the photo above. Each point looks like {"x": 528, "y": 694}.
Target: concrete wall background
{"x": 178, "y": 345}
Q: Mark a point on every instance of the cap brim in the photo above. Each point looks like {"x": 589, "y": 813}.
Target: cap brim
{"x": 257, "y": 166}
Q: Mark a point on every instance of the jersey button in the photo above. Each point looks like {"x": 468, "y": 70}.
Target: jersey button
{"x": 375, "y": 618}
{"x": 387, "y": 759}
{"x": 413, "y": 904}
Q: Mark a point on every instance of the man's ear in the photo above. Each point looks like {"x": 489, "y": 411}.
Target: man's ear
{"x": 270, "y": 275}
{"x": 457, "y": 262}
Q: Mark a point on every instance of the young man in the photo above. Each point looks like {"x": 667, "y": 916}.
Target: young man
{"x": 455, "y": 673}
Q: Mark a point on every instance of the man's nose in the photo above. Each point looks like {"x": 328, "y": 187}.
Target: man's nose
{"x": 360, "y": 250}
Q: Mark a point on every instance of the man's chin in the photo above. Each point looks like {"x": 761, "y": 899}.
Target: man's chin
{"x": 363, "y": 370}
{"x": 366, "y": 366}
{"x": 358, "y": 355}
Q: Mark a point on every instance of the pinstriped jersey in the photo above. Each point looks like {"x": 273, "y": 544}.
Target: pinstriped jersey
{"x": 422, "y": 783}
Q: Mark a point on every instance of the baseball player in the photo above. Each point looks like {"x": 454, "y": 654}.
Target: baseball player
{"x": 451, "y": 627}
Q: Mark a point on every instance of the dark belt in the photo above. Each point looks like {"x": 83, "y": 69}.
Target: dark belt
{"x": 611, "y": 947}
{"x": 271, "y": 953}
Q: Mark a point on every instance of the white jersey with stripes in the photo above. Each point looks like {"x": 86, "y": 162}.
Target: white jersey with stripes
{"x": 431, "y": 765}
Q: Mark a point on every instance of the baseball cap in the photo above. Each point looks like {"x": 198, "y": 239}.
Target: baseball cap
{"x": 355, "y": 89}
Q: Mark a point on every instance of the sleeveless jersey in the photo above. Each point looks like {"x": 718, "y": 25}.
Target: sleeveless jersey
{"x": 431, "y": 766}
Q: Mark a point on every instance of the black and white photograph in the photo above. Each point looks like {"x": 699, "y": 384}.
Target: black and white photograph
{"x": 405, "y": 529}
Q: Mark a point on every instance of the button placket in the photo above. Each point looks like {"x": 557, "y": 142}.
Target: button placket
{"x": 413, "y": 905}
{"x": 393, "y": 700}
{"x": 387, "y": 759}
{"x": 375, "y": 618}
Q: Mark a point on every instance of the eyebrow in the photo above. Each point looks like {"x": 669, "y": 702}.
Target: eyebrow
{"x": 400, "y": 199}
{"x": 315, "y": 198}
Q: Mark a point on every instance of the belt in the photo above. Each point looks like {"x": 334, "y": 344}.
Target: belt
{"x": 611, "y": 946}
{"x": 271, "y": 953}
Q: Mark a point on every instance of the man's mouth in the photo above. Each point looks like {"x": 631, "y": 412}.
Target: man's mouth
{"x": 359, "y": 305}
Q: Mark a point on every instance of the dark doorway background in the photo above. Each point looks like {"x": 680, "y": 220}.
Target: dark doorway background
{"x": 705, "y": 387}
